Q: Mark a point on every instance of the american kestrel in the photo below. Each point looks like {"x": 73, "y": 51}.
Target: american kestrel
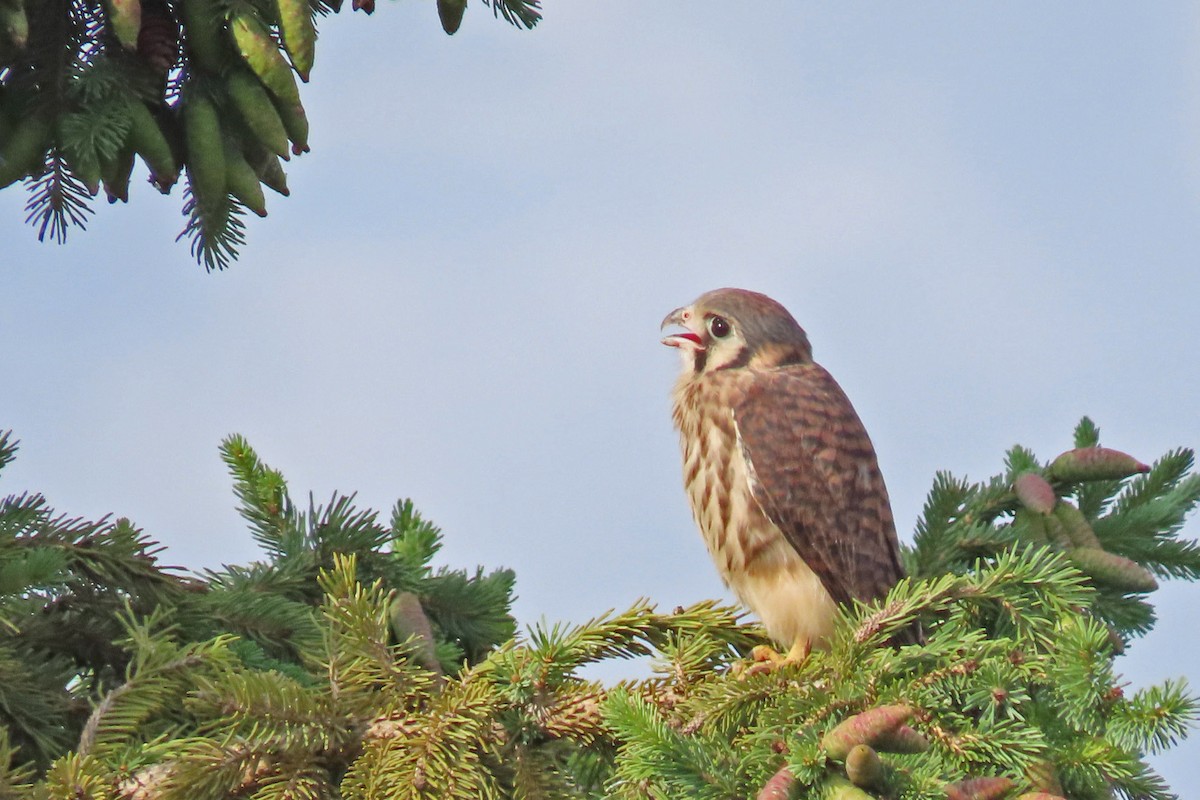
{"x": 781, "y": 475}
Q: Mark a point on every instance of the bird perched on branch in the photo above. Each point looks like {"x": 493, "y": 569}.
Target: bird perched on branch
{"x": 781, "y": 475}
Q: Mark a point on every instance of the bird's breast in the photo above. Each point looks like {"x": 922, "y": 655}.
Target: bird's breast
{"x": 752, "y": 556}
{"x": 715, "y": 476}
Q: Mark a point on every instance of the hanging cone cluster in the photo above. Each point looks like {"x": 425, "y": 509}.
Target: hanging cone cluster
{"x": 88, "y": 87}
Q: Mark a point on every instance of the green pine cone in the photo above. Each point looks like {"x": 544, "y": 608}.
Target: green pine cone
{"x": 255, "y": 107}
{"x": 23, "y": 148}
{"x": 863, "y": 766}
{"x": 125, "y": 17}
{"x": 1056, "y": 532}
{"x": 450, "y": 12}
{"x": 299, "y": 35}
{"x": 1094, "y": 464}
{"x": 1035, "y": 492}
{"x": 270, "y": 173}
{"x": 979, "y": 789}
{"x": 902, "y": 739}
{"x": 1112, "y": 569}
{"x": 149, "y": 142}
{"x": 205, "y": 148}
{"x": 242, "y": 180}
{"x": 842, "y": 789}
{"x": 1033, "y": 523}
{"x": 202, "y": 24}
{"x": 1076, "y": 526}
{"x": 868, "y": 727}
{"x": 261, "y": 52}
{"x": 295, "y": 122}
{"x": 87, "y": 171}
{"x": 14, "y": 25}
{"x": 115, "y": 175}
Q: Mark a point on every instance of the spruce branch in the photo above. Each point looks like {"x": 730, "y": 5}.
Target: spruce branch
{"x": 309, "y": 674}
{"x": 58, "y": 200}
{"x": 33, "y": 703}
{"x": 339, "y": 527}
{"x": 263, "y": 494}
{"x": 199, "y": 768}
{"x": 8, "y": 448}
{"x": 522, "y": 13}
{"x": 1020, "y": 595}
{"x": 214, "y": 228}
{"x": 1165, "y": 475}
{"x": 472, "y": 612}
{"x": 267, "y": 707}
{"x": 414, "y": 543}
{"x": 1156, "y": 718}
{"x": 76, "y": 775}
{"x": 16, "y": 775}
{"x": 20, "y": 517}
{"x": 1122, "y": 534}
{"x": 263, "y": 604}
{"x": 368, "y": 677}
{"x": 440, "y": 750}
{"x": 295, "y": 780}
{"x": 658, "y": 759}
{"x": 30, "y": 569}
{"x": 153, "y": 689}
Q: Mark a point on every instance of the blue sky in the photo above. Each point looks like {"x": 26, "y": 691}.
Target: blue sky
{"x": 986, "y": 217}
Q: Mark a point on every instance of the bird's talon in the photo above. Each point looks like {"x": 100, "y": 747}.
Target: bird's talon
{"x": 758, "y": 668}
{"x": 767, "y": 659}
{"x": 798, "y": 654}
{"x": 765, "y": 653}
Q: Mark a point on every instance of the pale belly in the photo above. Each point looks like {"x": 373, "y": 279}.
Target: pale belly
{"x": 751, "y": 555}
{"x": 789, "y": 599}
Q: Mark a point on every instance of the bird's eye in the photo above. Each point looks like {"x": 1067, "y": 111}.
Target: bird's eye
{"x": 719, "y": 327}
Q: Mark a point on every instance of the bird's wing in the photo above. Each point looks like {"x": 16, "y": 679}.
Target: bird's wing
{"x": 814, "y": 474}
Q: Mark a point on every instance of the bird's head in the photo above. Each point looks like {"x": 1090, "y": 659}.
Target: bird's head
{"x": 730, "y": 328}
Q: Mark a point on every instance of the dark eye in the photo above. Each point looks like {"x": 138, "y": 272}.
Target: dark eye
{"x": 719, "y": 327}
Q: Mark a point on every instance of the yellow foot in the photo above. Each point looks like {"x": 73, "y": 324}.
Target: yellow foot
{"x": 767, "y": 659}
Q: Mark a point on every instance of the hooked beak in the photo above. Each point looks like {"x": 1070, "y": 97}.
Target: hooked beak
{"x": 688, "y": 338}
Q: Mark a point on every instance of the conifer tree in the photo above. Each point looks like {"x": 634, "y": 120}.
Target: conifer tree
{"x": 344, "y": 665}
{"x": 202, "y": 88}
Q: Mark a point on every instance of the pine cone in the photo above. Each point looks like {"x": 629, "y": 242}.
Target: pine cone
{"x": 158, "y": 40}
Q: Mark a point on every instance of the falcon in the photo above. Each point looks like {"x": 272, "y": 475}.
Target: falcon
{"x": 780, "y": 473}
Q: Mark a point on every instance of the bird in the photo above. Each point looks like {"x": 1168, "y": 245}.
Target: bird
{"x": 781, "y": 476}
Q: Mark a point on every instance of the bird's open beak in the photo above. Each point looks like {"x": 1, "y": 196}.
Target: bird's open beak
{"x": 688, "y": 338}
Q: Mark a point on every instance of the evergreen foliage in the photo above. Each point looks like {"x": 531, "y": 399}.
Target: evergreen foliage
{"x": 203, "y": 87}
{"x": 344, "y": 665}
